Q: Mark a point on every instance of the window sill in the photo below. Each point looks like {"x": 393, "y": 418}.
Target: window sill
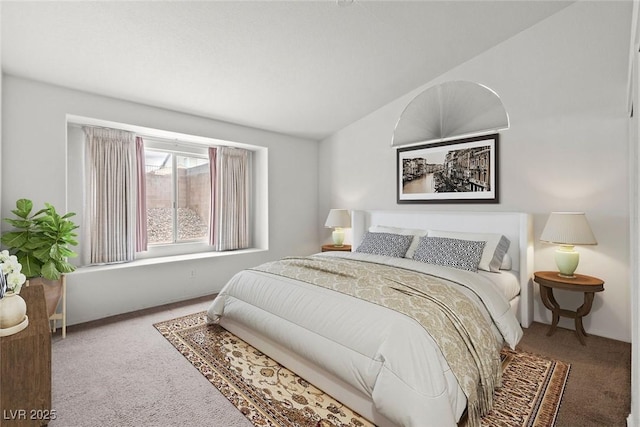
{"x": 164, "y": 260}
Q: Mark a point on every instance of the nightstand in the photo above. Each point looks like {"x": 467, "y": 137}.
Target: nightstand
{"x": 343, "y": 248}
{"x": 548, "y": 280}
{"x": 25, "y": 367}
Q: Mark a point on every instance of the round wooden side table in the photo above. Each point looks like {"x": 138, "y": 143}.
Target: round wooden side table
{"x": 330, "y": 247}
{"x": 548, "y": 280}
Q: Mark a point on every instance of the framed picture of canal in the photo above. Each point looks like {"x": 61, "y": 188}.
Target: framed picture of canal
{"x": 457, "y": 171}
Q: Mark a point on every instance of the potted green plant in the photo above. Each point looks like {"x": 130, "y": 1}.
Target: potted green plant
{"x": 41, "y": 241}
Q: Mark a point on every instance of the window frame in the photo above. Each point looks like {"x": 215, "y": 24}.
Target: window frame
{"x": 177, "y": 247}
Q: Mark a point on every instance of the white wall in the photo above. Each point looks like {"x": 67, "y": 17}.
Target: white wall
{"x": 563, "y": 83}
{"x": 33, "y": 166}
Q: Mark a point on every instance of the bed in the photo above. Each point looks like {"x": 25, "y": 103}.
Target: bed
{"x": 394, "y": 367}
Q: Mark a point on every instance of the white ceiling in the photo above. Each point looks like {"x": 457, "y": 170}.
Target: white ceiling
{"x": 305, "y": 68}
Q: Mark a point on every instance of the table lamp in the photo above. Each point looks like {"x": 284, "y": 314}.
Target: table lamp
{"x": 338, "y": 219}
{"x": 567, "y": 229}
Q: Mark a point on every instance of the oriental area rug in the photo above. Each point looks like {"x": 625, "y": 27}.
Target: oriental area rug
{"x": 268, "y": 394}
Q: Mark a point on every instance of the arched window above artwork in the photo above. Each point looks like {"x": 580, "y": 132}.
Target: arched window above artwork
{"x": 449, "y": 110}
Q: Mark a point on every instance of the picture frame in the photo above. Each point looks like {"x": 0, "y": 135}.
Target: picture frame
{"x": 455, "y": 171}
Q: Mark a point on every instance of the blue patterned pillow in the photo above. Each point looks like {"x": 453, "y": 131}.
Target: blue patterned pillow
{"x": 387, "y": 244}
{"x": 456, "y": 253}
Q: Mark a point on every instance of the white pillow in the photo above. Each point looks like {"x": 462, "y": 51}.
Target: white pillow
{"x": 403, "y": 231}
{"x": 495, "y": 248}
{"x": 506, "y": 262}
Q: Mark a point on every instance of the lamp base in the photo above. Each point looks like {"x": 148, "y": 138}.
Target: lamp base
{"x": 338, "y": 237}
{"x": 567, "y": 259}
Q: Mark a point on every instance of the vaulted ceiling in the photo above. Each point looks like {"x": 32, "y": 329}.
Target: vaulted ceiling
{"x": 304, "y": 68}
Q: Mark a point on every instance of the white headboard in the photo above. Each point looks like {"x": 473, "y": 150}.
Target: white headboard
{"x": 517, "y": 227}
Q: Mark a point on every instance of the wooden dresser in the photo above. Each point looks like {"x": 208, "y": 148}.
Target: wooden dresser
{"x": 25, "y": 367}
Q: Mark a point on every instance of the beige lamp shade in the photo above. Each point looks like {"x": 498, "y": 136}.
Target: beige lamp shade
{"x": 567, "y": 229}
{"x": 338, "y": 219}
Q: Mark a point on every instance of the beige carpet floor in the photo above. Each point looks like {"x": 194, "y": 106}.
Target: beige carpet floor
{"x": 121, "y": 372}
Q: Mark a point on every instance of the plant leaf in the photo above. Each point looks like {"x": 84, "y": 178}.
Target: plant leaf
{"x": 19, "y": 223}
{"x": 65, "y": 252}
{"x": 24, "y": 207}
{"x": 42, "y": 253}
{"x": 30, "y": 266}
{"x": 14, "y": 239}
{"x": 65, "y": 267}
{"x": 49, "y": 271}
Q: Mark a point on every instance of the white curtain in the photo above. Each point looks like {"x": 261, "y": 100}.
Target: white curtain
{"x": 141, "y": 198}
{"x": 110, "y": 195}
{"x": 229, "y": 223}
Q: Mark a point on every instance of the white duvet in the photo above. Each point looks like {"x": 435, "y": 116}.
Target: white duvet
{"x": 387, "y": 356}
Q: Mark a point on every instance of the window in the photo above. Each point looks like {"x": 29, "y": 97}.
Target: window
{"x": 178, "y": 193}
{"x": 179, "y": 161}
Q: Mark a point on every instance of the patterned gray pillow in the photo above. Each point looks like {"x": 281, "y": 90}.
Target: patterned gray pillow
{"x": 387, "y": 244}
{"x": 456, "y": 253}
